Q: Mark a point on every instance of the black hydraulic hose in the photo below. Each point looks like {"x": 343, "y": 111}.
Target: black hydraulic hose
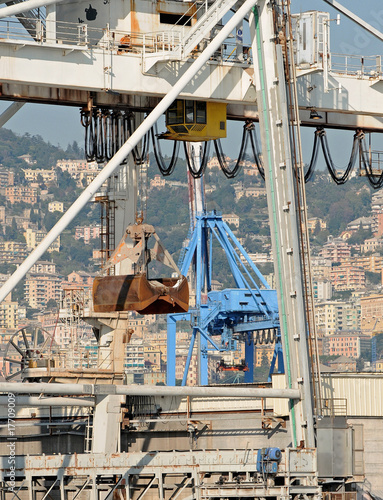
{"x": 99, "y": 134}
{"x": 376, "y": 183}
{"x": 329, "y": 162}
{"x": 108, "y": 136}
{"x": 230, "y": 174}
{"x": 196, "y": 174}
{"x": 139, "y": 159}
{"x": 90, "y": 140}
{"x": 165, "y": 170}
{"x": 314, "y": 157}
{"x": 256, "y": 152}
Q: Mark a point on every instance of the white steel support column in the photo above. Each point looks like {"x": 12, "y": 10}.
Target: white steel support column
{"x": 283, "y": 217}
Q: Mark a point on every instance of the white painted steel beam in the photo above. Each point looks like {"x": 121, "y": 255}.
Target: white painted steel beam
{"x": 125, "y": 150}
{"x": 146, "y": 390}
{"x": 36, "y": 73}
{"x": 38, "y": 401}
{"x": 10, "y": 112}
{"x": 13, "y": 10}
{"x": 340, "y": 8}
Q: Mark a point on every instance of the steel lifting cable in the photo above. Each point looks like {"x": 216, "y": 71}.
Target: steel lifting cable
{"x": 197, "y": 173}
{"x": 375, "y": 183}
{"x": 329, "y": 162}
{"x": 163, "y": 168}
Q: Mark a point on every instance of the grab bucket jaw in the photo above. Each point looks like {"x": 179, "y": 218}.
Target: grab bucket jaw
{"x": 135, "y": 292}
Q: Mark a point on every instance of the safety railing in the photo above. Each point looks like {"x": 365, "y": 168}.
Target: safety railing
{"x": 334, "y": 407}
{"x": 82, "y": 36}
{"x": 354, "y": 65}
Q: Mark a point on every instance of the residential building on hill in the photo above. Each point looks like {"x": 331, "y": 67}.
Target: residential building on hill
{"x": 158, "y": 182}
{"x": 40, "y": 288}
{"x": 322, "y": 289}
{"x": 343, "y": 364}
{"x": 7, "y": 178}
{"x": 9, "y": 316}
{"x": 314, "y": 222}
{"x": 349, "y": 344}
{"x": 348, "y": 277}
{"x": 372, "y": 263}
{"x": 56, "y": 206}
{"x": 371, "y": 314}
{"x": 231, "y": 219}
{"x": 335, "y": 250}
{"x": 34, "y": 237}
{"x": 371, "y": 245}
{"x": 12, "y": 251}
{"x": 32, "y": 175}
{"x": 16, "y": 194}
{"x": 333, "y": 316}
{"x": 361, "y": 223}
{"x": 87, "y": 233}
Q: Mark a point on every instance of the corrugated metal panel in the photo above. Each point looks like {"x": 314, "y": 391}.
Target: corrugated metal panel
{"x": 362, "y": 391}
{"x": 281, "y": 406}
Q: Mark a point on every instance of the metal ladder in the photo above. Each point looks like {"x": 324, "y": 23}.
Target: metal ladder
{"x": 199, "y": 31}
{"x": 89, "y": 432}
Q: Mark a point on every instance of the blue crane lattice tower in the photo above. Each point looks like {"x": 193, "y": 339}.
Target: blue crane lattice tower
{"x": 229, "y": 315}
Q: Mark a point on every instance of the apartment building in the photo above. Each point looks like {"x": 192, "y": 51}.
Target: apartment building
{"x": 321, "y": 268}
{"x": 322, "y": 289}
{"x": 34, "y": 237}
{"x": 9, "y": 315}
{"x": 7, "y": 178}
{"x": 40, "y": 288}
{"x": 16, "y": 194}
{"x": 371, "y": 245}
{"x": 335, "y": 250}
{"x": 315, "y": 222}
{"x": 334, "y": 316}
{"x": 232, "y": 219}
{"x": 349, "y": 344}
{"x": 372, "y": 263}
{"x": 348, "y": 277}
{"x": 158, "y": 182}
{"x": 73, "y": 166}
{"x": 43, "y": 266}
{"x": 32, "y": 175}
{"x": 56, "y": 206}
{"x": 371, "y": 314}
{"x": 87, "y": 233}
{"x": 12, "y": 251}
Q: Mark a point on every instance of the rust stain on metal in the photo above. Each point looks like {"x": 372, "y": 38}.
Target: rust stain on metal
{"x": 137, "y": 293}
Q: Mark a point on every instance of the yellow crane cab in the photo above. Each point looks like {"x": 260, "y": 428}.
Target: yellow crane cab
{"x": 195, "y": 121}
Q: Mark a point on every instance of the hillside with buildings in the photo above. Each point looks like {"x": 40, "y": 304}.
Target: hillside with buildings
{"x": 38, "y": 182}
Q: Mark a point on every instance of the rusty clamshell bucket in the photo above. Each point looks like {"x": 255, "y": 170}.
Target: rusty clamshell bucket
{"x": 135, "y": 292}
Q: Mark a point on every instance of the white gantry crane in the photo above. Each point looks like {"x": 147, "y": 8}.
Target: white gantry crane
{"x": 138, "y": 58}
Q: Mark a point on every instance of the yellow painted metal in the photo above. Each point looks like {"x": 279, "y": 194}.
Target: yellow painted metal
{"x": 195, "y": 121}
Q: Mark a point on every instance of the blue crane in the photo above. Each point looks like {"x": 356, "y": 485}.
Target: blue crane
{"x": 248, "y": 312}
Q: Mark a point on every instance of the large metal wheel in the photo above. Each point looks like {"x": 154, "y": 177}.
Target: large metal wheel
{"x": 25, "y": 348}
